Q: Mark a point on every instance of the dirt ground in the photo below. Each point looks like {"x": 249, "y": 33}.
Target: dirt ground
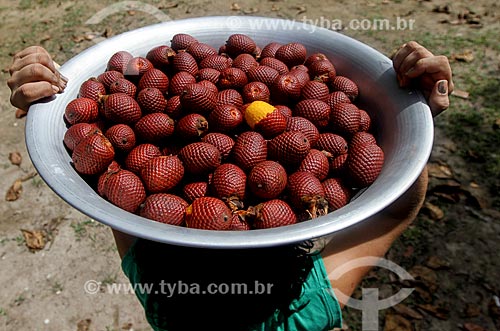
{"x": 451, "y": 250}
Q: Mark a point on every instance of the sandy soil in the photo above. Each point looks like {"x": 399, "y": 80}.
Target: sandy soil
{"x": 44, "y": 289}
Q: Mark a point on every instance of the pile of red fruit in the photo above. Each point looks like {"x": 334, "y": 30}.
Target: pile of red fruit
{"x": 232, "y": 139}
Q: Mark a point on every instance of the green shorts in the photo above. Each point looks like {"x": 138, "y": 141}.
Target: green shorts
{"x": 315, "y": 309}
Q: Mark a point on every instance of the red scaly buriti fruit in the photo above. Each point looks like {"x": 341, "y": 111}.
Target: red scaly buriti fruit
{"x": 284, "y": 110}
{"x": 120, "y": 108}
{"x": 217, "y": 62}
{"x": 223, "y": 143}
{"x": 179, "y": 81}
{"x": 122, "y": 85}
{"x": 332, "y": 143}
{"x": 118, "y": 61}
{"x": 228, "y": 183}
{"x": 265, "y": 118}
{"x": 257, "y": 53}
{"x": 108, "y": 77}
{"x": 344, "y": 84}
{"x": 263, "y": 74}
{"x": 275, "y": 64}
{"x": 289, "y": 148}
{"x": 162, "y": 173}
{"x": 300, "y": 67}
{"x": 364, "y": 164}
{"x": 113, "y": 168}
{"x": 362, "y": 138}
{"x": 238, "y": 44}
{"x": 124, "y": 189}
{"x": 256, "y": 91}
{"x": 137, "y": 67}
{"x": 315, "y": 162}
{"x": 239, "y": 224}
{"x": 184, "y": 62}
{"x": 181, "y": 41}
{"x": 250, "y": 149}
{"x": 322, "y": 70}
{"x": 81, "y": 110}
{"x": 338, "y": 164}
{"x": 307, "y": 194}
{"x": 286, "y": 88}
{"x": 267, "y": 180}
{"x": 191, "y": 126}
{"x": 200, "y": 51}
{"x": 193, "y": 191}
{"x": 208, "y": 213}
{"x": 315, "y": 90}
{"x": 365, "y": 122}
{"x": 151, "y": 100}
{"x": 161, "y": 57}
{"x": 174, "y": 107}
{"x": 77, "y": 133}
{"x": 225, "y": 118}
{"x": 315, "y": 57}
{"x": 165, "y": 208}
{"x": 273, "y": 213}
{"x": 302, "y": 76}
{"x": 122, "y": 137}
{"x": 200, "y": 158}
{"x": 92, "y": 89}
{"x": 229, "y": 97}
{"x": 154, "y": 128}
{"x": 316, "y": 111}
{"x": 232, "y": 78}
{"x": 209, "y": 74}
{"x": 198, "y": 98}
{"x": 345, "y": 118}
{"x": 336, "y": 193}
{"x": 222, "y": 50}
{"x": 291, "y": 54}
{"x": 139, "y": 155}
{"x": 210, "y": 86}
{"x": 154, "y": 78}
{"x": 270, "y": 50}
{"x": 245, "y": 62}
{"x": 337, "y": 97}
{"x": 93, "y": 154}
{"x": 305, "y": 126}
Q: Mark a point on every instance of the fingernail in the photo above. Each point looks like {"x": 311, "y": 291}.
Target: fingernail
{"x": 55, "y": 88}
{"x": 443, "y": 87}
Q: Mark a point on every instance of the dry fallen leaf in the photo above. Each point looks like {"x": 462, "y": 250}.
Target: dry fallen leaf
{"x": 466, "y": 56}
{"x": 34, "y": 239}
{"x": 442, "y": 171}
{"x": 442, "y": 9}
{"x": 435, "y": 262}
{"x": 472, "y": 310}
{"x": 496, "y": 125}
{"x": 472, "y": 327}
{"x": 394, "y": 322}
{"x": 460, "y": 94}
{"x": 427, "y": 276}
{"x": 407, "y": 311}
{"x": 83, "y": 325}
{"x": 235, "y": 6}
{"x": 14, "y": 191}
{"x": 15, "y": 158}
{"x": 434, "y": 211}
{"x": 436, "y": 311}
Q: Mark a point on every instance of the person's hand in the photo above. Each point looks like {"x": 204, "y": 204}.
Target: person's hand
{"x": 33, "y": 77}
{"x": 432, "y": 74}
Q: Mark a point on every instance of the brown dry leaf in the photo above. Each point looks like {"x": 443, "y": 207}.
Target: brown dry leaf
{"x": 45, "y": 38}
{"x": 83, "y": 325}
{"x": 275, "y": 8}
{"x": 466, "y": 56}
{"x": 235, "y": 6}
{"x": 14, "y": 191}
{"x": 168, "y": 5}
{"x": 251, "y": 10}
{"x": 434, "y": 211}
{"x": 442, "y": 171}
{"x": 300, "y": 9}
{"x": 127, "y": 326}
{"x": 436, "y": 311}
{"x": 442, "y": 9}
{"x": 460, "y": 94}
{"x": 496, "y": 125}
{"x": 409, "y": 251}
{"x": 35, "y": 239}
{"x": 20, "y": 113}
{"x": 472, "y": 310}
{"x": 78, "y": 39}
{"x": 472, "y": 327}
{"x": 395, "y": 322}
{"x": 407, "y": 311}
{"x": 435, "y": 262}
{"x": 427, "y": 276}
{"x": 15, "y": 158}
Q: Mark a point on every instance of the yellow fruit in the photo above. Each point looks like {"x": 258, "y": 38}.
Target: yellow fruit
{"x": 257, "y": 111}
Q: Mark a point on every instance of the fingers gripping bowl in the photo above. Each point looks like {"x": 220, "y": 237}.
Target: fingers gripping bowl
{"x": 402, "y": 120}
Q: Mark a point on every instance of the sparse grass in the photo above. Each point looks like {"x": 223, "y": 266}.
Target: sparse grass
{"x": 19, "y": 300}
{"x": 57, "y": 287}
{"x": 80, "y": 228}
{"x": 3, "y": 312}
{"x": 20, "y": 240}
{"x": 109, "y": 279}
{"x": 37, "y": 181}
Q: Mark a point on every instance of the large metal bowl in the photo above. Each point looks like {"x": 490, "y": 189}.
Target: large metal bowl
{"x": 402, "y": 118}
